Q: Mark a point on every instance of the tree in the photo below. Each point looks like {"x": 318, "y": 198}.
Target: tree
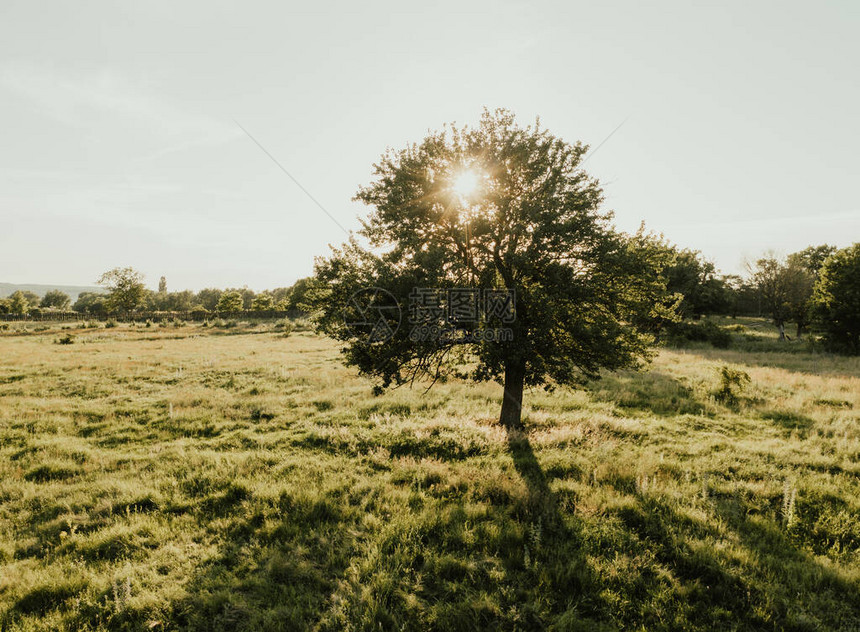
{"x": 695, "y": 278}
{"x": 836, "y": 300}
{"x": 785, "y": 288}
{"x": 56, "y": 299}
{"x": 91, "y": 303}
{"x": 297, "y": 300}
{"x": 20, "y": 303}
{"x": 263, "y": 302}
{"x": 208, "y": 298}
{"x": 810, "y": 259}
{"x": 178, "y": 301}
{"x": 741, "y": 296}
{"x": 33, "y": 299}
{"x": 162, "y": 285}
{"x": 230, "y": 301}
{"x": 126, "y": 291}
{"x": 505, "y": 211}
{"x": 247, "y": 297}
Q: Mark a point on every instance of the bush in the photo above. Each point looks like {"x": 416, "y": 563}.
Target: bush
{"x": 285, "y": 326}
{"x": 700, "y": 332}
{"x": 66, "y": 340}
{"x": 110, "y": 324}
{"x": 732, "y": 382}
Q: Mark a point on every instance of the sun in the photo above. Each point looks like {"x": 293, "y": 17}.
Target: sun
{"x": 466, "y": 183}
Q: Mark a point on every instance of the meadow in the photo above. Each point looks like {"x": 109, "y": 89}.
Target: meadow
{"x": 235, "y": 476}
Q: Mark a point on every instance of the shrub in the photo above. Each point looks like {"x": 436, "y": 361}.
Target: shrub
{"x": 285, "y": 326}
{"x": 732, "y": 382}
{"x": 706, "y": 331}
{"x": 110, "y": 323}
{"x": 68, "y": 339}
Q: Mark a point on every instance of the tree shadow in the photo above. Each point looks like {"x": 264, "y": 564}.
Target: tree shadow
{"x": 560, "y": 548}
{"x": 266, "y": 574}
{"x": 773, "y": 586}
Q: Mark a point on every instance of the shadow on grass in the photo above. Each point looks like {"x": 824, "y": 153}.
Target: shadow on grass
{"x": 795, "y": 360}
{"x": 275, "y": 568}
{"x": 329, "y": 556}
{"x": 571, "y": 588}
{"x": 767, "y": 583}
{"x": 653, "y": 392}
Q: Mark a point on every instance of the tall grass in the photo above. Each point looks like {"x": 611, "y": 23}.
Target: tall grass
{"x": 232, "y": 478}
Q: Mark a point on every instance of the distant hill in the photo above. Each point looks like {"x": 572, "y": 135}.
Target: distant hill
{"x": 7, "y": 289}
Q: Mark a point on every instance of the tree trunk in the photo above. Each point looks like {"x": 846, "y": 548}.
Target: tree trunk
{"x": 781, "y": 330}
{"x": 799, "y": 330}
{"x": 512, "y": 403}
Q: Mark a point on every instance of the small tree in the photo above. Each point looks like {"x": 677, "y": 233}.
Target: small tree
{"x": 19, "y": 303}
{"x": 508, "y": 210}
{"x": 179, "y": 301}
{"x": 230, "y": 301}
{"x": 56, "y": 299}
{"x": 263, "y": 302}
{"x": 836, "y": 300}
{"x": 126, "y": 291}
{"x": 689, "y": 274}
{"x": 247, "y": 297}
{"x": 208, "y": 298}
{"x": 784, "y": 288}
{"x": 162, "y": 285}
{"x": 810, "y": 259}
{"x": 91, "y": 303}
{"x": 297, "y": 300}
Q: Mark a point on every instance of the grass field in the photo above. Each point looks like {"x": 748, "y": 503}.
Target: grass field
{"x": 234, "y": 478}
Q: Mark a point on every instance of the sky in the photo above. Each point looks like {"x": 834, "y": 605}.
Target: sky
{"x": 121, "y": 146}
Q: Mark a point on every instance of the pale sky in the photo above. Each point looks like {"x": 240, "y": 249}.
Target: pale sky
{"x": 118, "y": 145}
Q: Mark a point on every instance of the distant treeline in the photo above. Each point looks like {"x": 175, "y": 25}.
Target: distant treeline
{"x": 156, "y": 317}
{"x": 126, "y": 295}
{"x": 817, "y": 288}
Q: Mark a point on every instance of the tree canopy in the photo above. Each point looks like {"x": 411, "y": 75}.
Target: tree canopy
{"x": 836, "y": 300}
{"x": 495, "y": 207}
{"x": 55, "y": 299}
{"x": 230, "y": 301}
{"x": 785, "y": 287}
{"x": 126, "y": 291}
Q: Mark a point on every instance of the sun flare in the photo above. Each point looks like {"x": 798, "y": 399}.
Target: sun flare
{"x": 466, "y": 183}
